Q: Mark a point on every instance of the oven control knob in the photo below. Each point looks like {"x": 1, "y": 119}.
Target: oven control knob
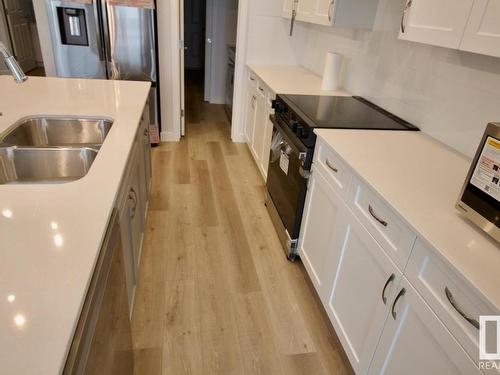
{"x": 304, "y": 132}
{"x": 279, "y": 107}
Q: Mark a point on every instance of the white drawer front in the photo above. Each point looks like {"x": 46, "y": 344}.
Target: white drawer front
{"x": 382, "y": 222}
{"x": 449, "y": 296}
{"x": 337, "y": 172}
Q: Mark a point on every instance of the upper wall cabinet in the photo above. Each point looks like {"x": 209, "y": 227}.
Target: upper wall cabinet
{"x": 341, "y": 13}
{"x": 437, "y": 22}
{"x": 482, "y": 34}
{"x": 469, "y": 25}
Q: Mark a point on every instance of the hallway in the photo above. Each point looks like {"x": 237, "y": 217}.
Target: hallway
{"x": 215, "y": 293}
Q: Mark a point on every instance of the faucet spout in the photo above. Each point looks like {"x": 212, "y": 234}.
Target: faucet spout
{"x": 12, "y": 64}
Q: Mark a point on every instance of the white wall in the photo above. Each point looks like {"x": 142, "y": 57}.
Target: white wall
{"x": 264, "y": 39}
{"x": 449, "y": 94}
{"x": 268, "y": 35}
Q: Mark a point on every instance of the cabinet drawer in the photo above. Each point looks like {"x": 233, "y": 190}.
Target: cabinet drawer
{"x": 338, "y": 173}
{"x": 449, "y": 295}
{"x": 382, "y": 222}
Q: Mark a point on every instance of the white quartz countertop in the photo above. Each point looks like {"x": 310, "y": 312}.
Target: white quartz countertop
{"x": 292, "y": 79}
{"x": 51, "y": 234}
{"x": 421, "y": 179}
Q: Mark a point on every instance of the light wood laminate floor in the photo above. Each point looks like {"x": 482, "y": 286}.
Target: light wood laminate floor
{"x": 215, "y": 292}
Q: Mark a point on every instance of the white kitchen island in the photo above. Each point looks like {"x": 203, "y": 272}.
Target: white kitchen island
{"x": 51, "y": 234}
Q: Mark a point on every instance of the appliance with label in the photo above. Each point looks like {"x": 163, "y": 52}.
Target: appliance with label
{"x": 106, "y": 39}
{"x": 480, "y": 197}
{"x": 292, "y": 149}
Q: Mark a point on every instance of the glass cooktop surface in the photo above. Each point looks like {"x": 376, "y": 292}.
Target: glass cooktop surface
{"x": 344, "y": 112}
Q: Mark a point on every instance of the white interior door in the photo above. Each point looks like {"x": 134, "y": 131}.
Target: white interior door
{"x": 20, "y": 31}
{"x": 208, "y": 48}
{"x": 182, "y": 49}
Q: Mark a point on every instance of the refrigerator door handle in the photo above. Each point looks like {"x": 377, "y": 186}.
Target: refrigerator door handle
{"x": 99, "y": 30}
{"x": 109, "y": 36}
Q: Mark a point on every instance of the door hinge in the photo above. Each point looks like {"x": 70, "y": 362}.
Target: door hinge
{"x": 181, "y": 44}
{"x": 183, "y": 113}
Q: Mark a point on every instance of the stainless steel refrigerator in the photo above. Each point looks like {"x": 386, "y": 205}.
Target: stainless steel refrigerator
{"x": 107, "y": 39}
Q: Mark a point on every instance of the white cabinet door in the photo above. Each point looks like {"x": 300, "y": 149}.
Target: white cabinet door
{"x": 364, "y": 285}
{"x": 128, "y": 254}
{"x": 266, "y": 150}
{"x": 321, "y": 231}
{"x": 316, "y": 11}
{"x": 482, "y": 34}
{"x": 438, "y": 22}
{"x": 250, "y": 115}
{"x": 287, "y": 9}
{"x": 415, "y": 341}
{"x": 261, "y": 115}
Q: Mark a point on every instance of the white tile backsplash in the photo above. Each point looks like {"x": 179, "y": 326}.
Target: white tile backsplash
{"x": 269, "y": 41}
{"x": 449, "y": 94}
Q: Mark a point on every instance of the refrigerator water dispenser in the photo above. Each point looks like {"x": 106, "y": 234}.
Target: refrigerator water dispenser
{"x": 73, "y": 27}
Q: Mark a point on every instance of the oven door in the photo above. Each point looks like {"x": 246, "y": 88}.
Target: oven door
{"x": 287, "y": 182}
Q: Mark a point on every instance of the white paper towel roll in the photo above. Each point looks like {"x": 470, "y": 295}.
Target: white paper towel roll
{"x": 331, "y": 75}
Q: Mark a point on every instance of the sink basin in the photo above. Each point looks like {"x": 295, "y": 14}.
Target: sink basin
{"x": 44, "y": 131}
{"x": 20, "y": 165}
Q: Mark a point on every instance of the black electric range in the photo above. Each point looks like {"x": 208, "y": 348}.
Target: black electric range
{"x": 292, "y": 150}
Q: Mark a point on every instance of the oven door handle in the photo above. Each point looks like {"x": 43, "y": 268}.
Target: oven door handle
{"x": 281, "y": 128}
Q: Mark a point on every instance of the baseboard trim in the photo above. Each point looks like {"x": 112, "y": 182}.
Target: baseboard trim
{"x": 239, "y": 138}
{"x": 169, "y": 137}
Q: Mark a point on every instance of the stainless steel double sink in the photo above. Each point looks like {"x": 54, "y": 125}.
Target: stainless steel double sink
{"x": 51, "y": 149}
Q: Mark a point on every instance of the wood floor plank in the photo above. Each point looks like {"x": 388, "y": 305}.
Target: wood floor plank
{"x": 256, "y": 337}
{"x": 182, "y": 339}
{"x": 160, "y": 184}
{"x": 207, "y": 209}
{"x": 148, "y": 361}
{"x": 149, "y": 311}
{"x": 238, "y": 254}
{"x": 180, "y": 163}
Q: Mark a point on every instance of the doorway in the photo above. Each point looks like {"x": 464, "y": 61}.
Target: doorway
{"x": 195, "y": 17}
{"x": 208, "y": 30}
{"x": 21, "y": 34}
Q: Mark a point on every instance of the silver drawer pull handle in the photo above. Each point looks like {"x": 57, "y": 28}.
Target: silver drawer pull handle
{"x": 453, "y": 303}
{"x": 329, "y": 165}
{"x": 133, "y": 197}
{"x": 372, "y": 212}
{"x": 393, "y": 311}
{"x": 330, "y": 7}
{"x": 408, "y": 5}
{"x": 390, "y": 280}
